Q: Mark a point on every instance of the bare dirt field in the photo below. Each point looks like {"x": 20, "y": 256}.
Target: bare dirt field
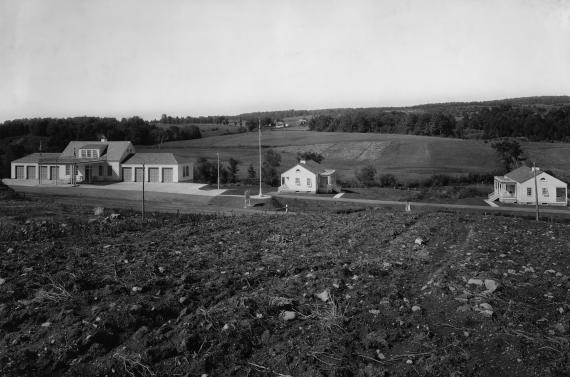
{"x": 369, "y": 293}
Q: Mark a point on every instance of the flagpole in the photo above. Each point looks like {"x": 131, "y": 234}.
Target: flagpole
{"x": 259, "y": 134}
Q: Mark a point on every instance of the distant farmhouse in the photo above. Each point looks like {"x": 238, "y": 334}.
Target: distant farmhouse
{"x": 308, "y": 176}
{"x": 101, "y": 161}
{"x": 518, "y": 187}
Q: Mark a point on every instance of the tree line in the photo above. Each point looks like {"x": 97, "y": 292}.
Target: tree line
{"x": 532, "y": 122}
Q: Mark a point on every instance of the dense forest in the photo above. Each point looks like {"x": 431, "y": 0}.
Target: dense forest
{"x": 23, "y": 136}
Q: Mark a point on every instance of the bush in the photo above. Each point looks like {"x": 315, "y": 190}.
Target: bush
{"x": 388, "y": 180}
{"x": 367, "y": 175}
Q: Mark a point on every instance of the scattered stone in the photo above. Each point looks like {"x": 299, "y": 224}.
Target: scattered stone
{"x": 310, "y": 275}
{"x": 380, "y": 355}
{"x": 10, "y": 250}
{"x": 485, "y": 309}
{"x": 550, "y": 272}
{"x": 161, "y": 269}
{"x": 409, "y": 362}
{"x": 136, "y": 289}
{"x": 182, "y": 300}
{"x": 2, "y": 281}
{"x": 385, "y": 301}
{"x": 419, "y": 241}
{"x": 477, "y": 282}
{"x": 114, "y": 216}
{"x": 226, "y": 327}
{"x": 106, "y": 246}
{"x": 559, "y": 327}
{"x": 288, "y": 315}
{"x": 491, "y": 285}
{"x": 511, "y": 271}
{"x": 374, "y": 311}
{"x": 324, "y": 296}
{"x": 91, "y": 221}
{"x": 46, "y": 324}
{"x": 416, "y": 309}
{"x": 135, "y": 308}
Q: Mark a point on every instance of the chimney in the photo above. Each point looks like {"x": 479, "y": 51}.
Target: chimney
{"x": 103, "y": 139}
{"x": 302, "y": 161}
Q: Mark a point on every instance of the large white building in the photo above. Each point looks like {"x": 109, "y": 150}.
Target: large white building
{"x": 99, "y": 161}
{"x": 518, "y": 186}
{"x": 308, "y": 176}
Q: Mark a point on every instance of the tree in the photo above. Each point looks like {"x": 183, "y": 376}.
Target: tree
{"x": 314, "y": 156}
{"x": 366, "y": 175}
{"x": 233, "y": 169}
{"x": 272, "y": 158}
{"x": 509, "y": 152}
{"x": 251, "y": 175}
{"x": 388, "y": 180}
{"x": 205, "y": 171}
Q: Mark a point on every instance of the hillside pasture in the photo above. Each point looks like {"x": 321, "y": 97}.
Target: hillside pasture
{"x": 409, "y": 157}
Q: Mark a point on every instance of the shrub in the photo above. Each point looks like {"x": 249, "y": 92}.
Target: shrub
{"x": 367, "y": 175}
{"x": 388, "y": 180}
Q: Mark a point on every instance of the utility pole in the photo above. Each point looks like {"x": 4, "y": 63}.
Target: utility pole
{"x": 218, "y": 154}
{"x": 535, "y": 191}
{"x": 143, "y": 178}
{"x": 259, "y": 133}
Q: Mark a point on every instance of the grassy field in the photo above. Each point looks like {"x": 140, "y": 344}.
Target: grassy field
{"x": 406, "y": 156}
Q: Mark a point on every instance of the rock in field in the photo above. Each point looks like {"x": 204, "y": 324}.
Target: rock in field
{"x": 491, "y": 285}
{"x": 288, "y": 315}
{"x": 324, "y": 296}
{"x": 416, "y": 309}
{"x": 477, "y": 282}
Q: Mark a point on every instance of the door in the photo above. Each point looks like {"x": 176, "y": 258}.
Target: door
{"x": 128, "y": 174}
{"x": 139, "y": 174}
{"x": 167, "y": 175}
{"x": 153, "y": 175}
{"x": 31, "y": 172}
{"x": 20, "y": 172}
{"x": 53, "y": 173}
{"x": 44, "y": 173}
{"x": 87, "y": 174}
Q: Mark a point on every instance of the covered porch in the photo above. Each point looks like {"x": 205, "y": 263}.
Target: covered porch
{"x": 327, "y": 182}
{"x": 505, "y": 190}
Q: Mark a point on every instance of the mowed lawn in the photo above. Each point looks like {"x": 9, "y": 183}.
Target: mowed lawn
{"x": 406, "y": 156}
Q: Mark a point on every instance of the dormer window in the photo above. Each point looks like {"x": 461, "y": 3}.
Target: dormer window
{"x": 89, "y": 153}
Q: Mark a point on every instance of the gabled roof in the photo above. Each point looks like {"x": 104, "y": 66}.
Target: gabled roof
{"x": 115, "y": 149}
{"x": 522, "y": 174}
{"x": 35, "y": 158}
{"x": 154, "y": 159}
{"x": 314, "y": 168}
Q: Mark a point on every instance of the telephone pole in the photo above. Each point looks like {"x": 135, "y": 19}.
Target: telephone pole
{"x": 218, "y": 154}
{"x": 143, "y": 167}
{"x": 535, "y": 191}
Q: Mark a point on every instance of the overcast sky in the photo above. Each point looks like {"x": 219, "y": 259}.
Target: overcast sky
{"x": 143, "y": 57}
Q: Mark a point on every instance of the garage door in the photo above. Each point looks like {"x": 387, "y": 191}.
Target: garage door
{"x": 167, "y": 175}
{"x": 54, "y": 172}
{"x": 20, "y": 172}
{"x": 44, "y": 173}
{"x": 31, "y": 172}
{"x": 139, "y": 174}
{"x": 128, "y": 174}
{"x": 153, "y": 175}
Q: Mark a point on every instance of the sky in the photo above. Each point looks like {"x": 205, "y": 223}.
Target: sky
{"x": 121, "y": 58}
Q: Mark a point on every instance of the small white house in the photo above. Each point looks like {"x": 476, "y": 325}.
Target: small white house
{"x": 518, "y": 186}
{"x": 308, "y": 176}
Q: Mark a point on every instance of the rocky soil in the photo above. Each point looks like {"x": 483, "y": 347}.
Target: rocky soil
{"x": 370, "y": 293}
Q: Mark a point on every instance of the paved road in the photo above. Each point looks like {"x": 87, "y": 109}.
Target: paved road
{"x": 154, "y": 201}
{"x": 524, "y": 210}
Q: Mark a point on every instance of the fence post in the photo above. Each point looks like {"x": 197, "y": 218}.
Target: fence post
{"x": 286, "y": 208}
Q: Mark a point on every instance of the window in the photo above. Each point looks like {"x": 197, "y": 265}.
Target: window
{"x": 100, "y": 170}
{"x": 83, "y": 153}
{"x": 309, "y": 182}
{"x": 298, "y": 181}
{"x": 67, "y": 169}
{"x": 528, "y": 191}
{"x": 545, "y": 191}
{"x": 109, "y": 171}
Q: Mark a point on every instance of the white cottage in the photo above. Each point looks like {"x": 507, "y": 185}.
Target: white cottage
{"x": 100, "y": 161}
{"x": 518, "y": 187}
{"x": 308, "y": 176}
